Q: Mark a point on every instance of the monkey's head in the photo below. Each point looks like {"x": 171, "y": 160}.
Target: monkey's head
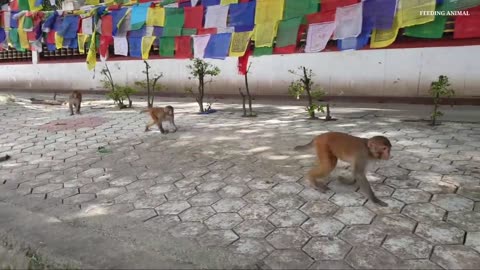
{"x": 379, "y": 147}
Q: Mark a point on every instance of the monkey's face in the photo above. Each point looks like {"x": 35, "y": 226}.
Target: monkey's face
{"x": 383, "y": 152}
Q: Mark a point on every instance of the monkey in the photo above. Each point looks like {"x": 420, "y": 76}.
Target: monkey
{"x": 357, "y": 151}
{"x": 5, "y": 158}
{"x": 75, "y": 99}
{"x": 159, "y": 115}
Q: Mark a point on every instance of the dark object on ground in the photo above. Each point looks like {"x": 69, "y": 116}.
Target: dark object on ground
{"x": 5, "y": 158}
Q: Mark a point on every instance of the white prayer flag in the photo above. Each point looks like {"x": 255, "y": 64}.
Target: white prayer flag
{"x": 87, "y": 24}
{"x": 120, "y": 45}
{"x": 216, "y": 16}
{"x": 194, "y": 3}
{"x": 348, "y": 21}
{"x": 318, "y": 36}
{"x": 229, "y": 29}
{"x": 199, "y": 44}
{"x": 6, "y": 19}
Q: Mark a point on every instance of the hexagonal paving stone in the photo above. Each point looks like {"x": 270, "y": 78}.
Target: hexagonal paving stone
{"x": 288, "y": 259}
{"x": 287, "y": 218}
{"x": 168, "y": 178}
{"x": 63, "y": 193}
{"x": 260, "y": 196}
{"x": 424, "y": 211}
{"x": 235, "y": 191}
{"x": 261, "y": 183}
{"x": 256, "y": 211}
{"x": 412, "y": 195}
{"x": 204, "y": 199}
{"x": 372, "y": 258}
{"x": 425, "y": 176}
{"x": 469, "y": 221}
{"x": 188, "y": 229}
{"x": 111, "y": 193}
{"x": 394, "y": 224}
{"x": 77, "y": 182}
{"x": 455, "y": 257}
{"x": 392, "y": 171}
{"x": 440, "y": 233}
{"x": 354, "y": 215}
{"x": 172, "y": 207}
{"x": 382, "y": 190}
{"x": 79, "y": 198}
{"x": 217, "y": 238}
{"x": 288, "y": 188}
{"x": 149, "y": 201}
{"x": 287, "y": 202}
{"x": 181, "y": 194}
{"x": 141, "y": 214}
{"x": 363, "y": 235}
{"x": 94, "y": 187}
{"x": 288, "y": 238}
{"x": 195, "y": 172}
{"x": 229, "y": 205}
{"x": 437, "y": 187}
{"x": 324, "y": 249}
{"x": 310, "y": 194}
{"x": 286, "y": 177}
{"x": 461, "y": 180}
{"x": 47, "y": 188}
{"x": 401, "y": 183}
{"x": 223, "y": 221}
{"x": 238, "y": 179}
{"x": 93, "y": 172}
{"x": 473, "y": 240}
{"x": 330, "y": 265}
{"x": 408, "y": 246}
{"x": 140, "y": 185}
{"x": 123, "y": 180}
{"x": 211, "y": 186}
{"x": 197, "y": 213}
{"x": 254, "y": 228}
{"x": 258, "y": 248}
{"x": 348, "y": 199}
{"x": 470, "y": 192}
{"x": 394, "y": 206}
{"x": 453, "y": 202}
{"x": 129, "y": 197}
{"x": 162, "y": 223}
{"x": 323, "y": 226}
{"x": 216, "y": 176}
{"x": 319, "y": 208}
{"x": 190, "y": 182}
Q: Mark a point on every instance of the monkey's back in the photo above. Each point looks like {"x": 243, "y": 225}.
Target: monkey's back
{"x": 341, "y": 145}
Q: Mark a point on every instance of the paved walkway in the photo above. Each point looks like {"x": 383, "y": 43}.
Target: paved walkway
{"x": 226, "y": 191}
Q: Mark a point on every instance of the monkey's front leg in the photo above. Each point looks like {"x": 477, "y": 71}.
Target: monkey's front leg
{"x": 365, "y": 187}
{"x": 71, "y": 107}
{"x": 163, "y": 131}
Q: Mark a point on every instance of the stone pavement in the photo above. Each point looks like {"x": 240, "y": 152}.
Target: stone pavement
{"x": 226, "y": 191}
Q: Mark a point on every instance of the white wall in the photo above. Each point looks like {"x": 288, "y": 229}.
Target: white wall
{"x": 392, "y": 72}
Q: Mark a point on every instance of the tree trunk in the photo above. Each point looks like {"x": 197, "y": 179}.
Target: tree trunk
{"x": 309, "y": 95}
{"x": 200, "y": 93}
{"x": 248, "y": 94}
{"x": 243, "y": 102}
{"x": 328, "y": 117}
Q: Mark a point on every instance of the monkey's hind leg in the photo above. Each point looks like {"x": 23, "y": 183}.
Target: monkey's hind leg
{"x": 70, "y": 105}
{"x": 347, "y": 181}
{"x": 163, "y": 131}
{"x": 78, "y": 105}
{"x": 147, "y": 127}
{"x": 317, "y": 175}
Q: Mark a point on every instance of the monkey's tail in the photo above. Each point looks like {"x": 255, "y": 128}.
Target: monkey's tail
{"x": 5, "y": 158}
{"x": 304, "y": 147}
{"x": 144, "y": 111}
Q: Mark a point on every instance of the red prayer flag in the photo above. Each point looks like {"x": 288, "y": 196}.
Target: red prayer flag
{"x": 14, "y": 5}
{"x": 107, "y": 25}
{"x": 334, "y": 4}
{"x": 243, "y": 62}
{"x": 467, "y": 26}
{"x": 285, "y": 50}
{"x": 320, "y": 17}
{"x": 205, "y": 31}
{"x": 105, "y": 42}
{"x": 193, "y": 17}
{"x": 243, "y": 1}
{"x": 183, "y": 47}
{"x": 51, "y": 37}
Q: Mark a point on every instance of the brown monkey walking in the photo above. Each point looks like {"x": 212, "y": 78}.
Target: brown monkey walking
{"x": 75, "y": 99}
{"x": 159, "y": 115}
{"x": 332, "y": 146}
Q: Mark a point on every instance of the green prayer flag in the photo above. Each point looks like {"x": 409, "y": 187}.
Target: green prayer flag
{"x": 167, "y": 2}
{"x": 260, "y": 51}
{"x": 288, "y": 32}
{"x": 299, "y": 8}
{"x": 174, "y": 17}
{"x": 189, "y": 31}
{"x": 14, "y": 38}
{"x": 433, "y": 29}
{"x": 28, "y": 24}
{"x": 451, "y": 5}
{"x": 23, "y": 5}
{"x": 172, "y": 31}
{"x": 167, "y": 46}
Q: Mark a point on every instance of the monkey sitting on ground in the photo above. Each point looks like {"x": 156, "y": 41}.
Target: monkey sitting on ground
{"x": 159, "y": 115}
{"x": 75, "y": 99}
{"x": 4, "y": 158}
{"x": 332, "y": 146}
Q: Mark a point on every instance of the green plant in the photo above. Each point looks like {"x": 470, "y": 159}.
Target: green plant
{"x": 439, "y": 89}
{"x": 304, "y": 85}
{"x": 199, "y": 70}
{"x": 117, "y": 92}
{"x": 251, "y": 113}
{"x": 151, "y": 85}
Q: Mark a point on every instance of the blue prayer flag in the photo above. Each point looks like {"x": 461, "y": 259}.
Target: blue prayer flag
{"x": 242, "y": 14}
{"x": 218, "y": 46}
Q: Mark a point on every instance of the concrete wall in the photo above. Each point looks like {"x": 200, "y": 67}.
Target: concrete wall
{"x": 392, "y": 72}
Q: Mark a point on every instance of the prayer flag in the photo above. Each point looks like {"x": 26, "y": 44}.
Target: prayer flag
{"x": 288, "y": 32}
{"x": 174, "y": 17}
{"x": 240, "y": 42}
{"x": 207, "y": 3}
{"x": 411, "y": 12}
{"x": 82, "y": 40}
{"x": 167, "y": 46}
{"x": 433, "y": 29}
{"x": 296, "y": 8}
{"x": 265, "y": 33}
{"x": 242, "y": 14}
{"x": 384, "y": 38}
{"x": 318, "y": 36}
{"x": 262, "y": 51}
{"x": 348, "y": 21}
{"x": 135, "y": 46}
{"x": 193, "y": 17}
{"x": 228, "y": 2}
{"x": 468, "y": 26}
{"x": 156, "y": 16}
{"x": 199, "y": 44}
{"x": 183, "y": 47}
{"x": 269, "y": 11}
{"x": 216, "y": 16}
{"x": 218, "y": 46}
{"x": 147, "y": 43}
{"x": 139, "y": 15}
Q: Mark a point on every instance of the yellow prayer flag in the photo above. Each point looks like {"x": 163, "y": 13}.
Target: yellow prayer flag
{"x": 147, "y": 43}
{"x": 156, "y": 16}
{"x": 82, "y": 39}
{"x": 416, "y": 12}
{"x": 92, "y": 53}
{"x": 239, "y": 44}
{"x": 58, "y": 41}
{"x": 31, "y": 3}
{"x": 384, "y": 38}
{"x": 22, "y": 35}
{"x": 92, "y": 2}
{"x": 228, "y": 2}
{"x": 269, "y": 10}
{"x": 265, "y": 33}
